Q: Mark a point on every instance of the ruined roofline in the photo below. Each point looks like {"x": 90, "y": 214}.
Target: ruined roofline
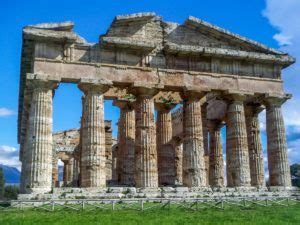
{"x": 60, "y": 31}
{"x": 107, "y": 124}
{"x": 63, "y": 131}
{"x": 192, "y": 21}
{"x": 136, "y": 17}
{"x": 59, "y": 26}
{"x": 201, "y": 24}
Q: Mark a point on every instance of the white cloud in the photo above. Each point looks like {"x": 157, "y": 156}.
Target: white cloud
{"x": 284, "y": 16}
{"x": 6, "y": 112}
{"x": 293, "y": 151}
{"x": 9, "y": 156}
{"x": 282, "y": 39}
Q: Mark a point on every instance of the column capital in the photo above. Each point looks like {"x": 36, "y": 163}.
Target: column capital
{"x": 253, "y": 109}
{"x": 123, "y": 104}
{"x": 270, "y": 100}
{"x": 94, "y": 85}
{"x": 235, "y": 96}
{"x": 35, "y": 84}
{"x": 193, "y": 92}
{"x": 215, "y": 124}
{"x": 144, "y": 89}
{"x": 164, "y": 106}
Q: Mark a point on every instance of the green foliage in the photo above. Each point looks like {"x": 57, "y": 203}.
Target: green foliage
{"x": 11, "y": 192}
{"x": 2, "y": 183}
{"x": 295, "y": 172}
{"x": 232, "y": 215}
{"x": 169, "y": 100}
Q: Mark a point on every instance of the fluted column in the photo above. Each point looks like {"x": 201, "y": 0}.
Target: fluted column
{"x": 39, "y": 145}
{"x": 165, "y": 150}
{"x": 145, "y": 140}
{"x": 205, "y": 140}
{"x": 279, "y": 170}
{"x": 254, "y": 145}
{"x": 126, "y": 141}
{"x": 66, "y": 172}
{"x": 54, "y": 168}
{"x": 178, "y": 148}
{"x": 75, "y": 173}
{"x": 119, "y": 159}
{"x": 216, "y": 162}
{"x": 93, "y": 136}
{"x": 193, "y": 163}
{"x": 237, "y": 155}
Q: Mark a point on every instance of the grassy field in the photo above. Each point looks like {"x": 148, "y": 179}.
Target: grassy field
{"x": 274, "y": 215}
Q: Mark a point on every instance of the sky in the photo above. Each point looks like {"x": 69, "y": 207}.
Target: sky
{"x": 271, "y": 22}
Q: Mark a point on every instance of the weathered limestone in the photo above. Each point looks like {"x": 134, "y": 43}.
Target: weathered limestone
{"x": 254, "y": 144}
{"x": 173, "y": 63}
{"x": 193, "y": 164}
{"x": 108, "y": 152}
{"x": 165, "y": 149}
{"x": 178, "y": 147}
{"x": 277, "y": 149}
{"x": 76, "y": 171}
{"x": 126, "y": 142}
{"x": 145, "y": 140}
{"x": 38, "y": 168}
{"x": 216, "y": 163}
{"x": 205, "y": 139}
{"x": 237, "y": 155}
{"x": 93, "y": 137}
{"x": 68, "y": 172}
{"x": 119, "y": 155}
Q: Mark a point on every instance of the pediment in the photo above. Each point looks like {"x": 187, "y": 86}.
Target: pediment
{"x": 187, "y": 36}
{"x": 148, "y": 31}
{"x": 196, "y": 32}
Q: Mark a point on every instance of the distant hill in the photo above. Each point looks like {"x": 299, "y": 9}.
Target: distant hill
{"x": 11, "y": 174}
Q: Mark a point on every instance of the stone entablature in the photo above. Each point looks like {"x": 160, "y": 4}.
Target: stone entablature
{"x": 145, "y": 64}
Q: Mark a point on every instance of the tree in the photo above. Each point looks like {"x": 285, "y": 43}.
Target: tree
{"x": 295, "y": 172}
{"x": 11, "y": 192}
{"x": 2, "y": 183}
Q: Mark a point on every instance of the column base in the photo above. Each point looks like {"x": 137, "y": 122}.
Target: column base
{"x": 161, "y": 193}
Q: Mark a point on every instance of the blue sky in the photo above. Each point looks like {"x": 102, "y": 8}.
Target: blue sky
{"x": 272, "y": 22}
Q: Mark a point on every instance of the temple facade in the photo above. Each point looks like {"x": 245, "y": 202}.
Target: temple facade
{"x": 176, "y": 86}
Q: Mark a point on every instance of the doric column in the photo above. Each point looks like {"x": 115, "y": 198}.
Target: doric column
{"x": 119, "y": 160}
{"x": 66, "y": 172}
{"x": 126, "y": 141}
{"x": 216, "y": 163}
{"x": 93, "y": 136}
{"x": 114, "y": 164}
{"x": 108, "y": 151}
{"x": 205, "y": 139}
{"x": 237, "y": 155}
{"x": 193, "y": 163}
{"x": 254, "y": 145}
{"x": 75, "y": 173}
{"x": 54, "y": 171}
{"x": 145, "y": 139}
{"x": 165, "y": 150}
{"x": 178, "y": 148}
{"x": 39, "y": 145}
{"x": 279, "y": 170}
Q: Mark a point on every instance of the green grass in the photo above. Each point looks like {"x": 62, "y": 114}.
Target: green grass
{"x": 275, "y": 215}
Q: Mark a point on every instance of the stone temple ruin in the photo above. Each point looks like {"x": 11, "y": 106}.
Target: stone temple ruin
{"x": 142, "y": 63}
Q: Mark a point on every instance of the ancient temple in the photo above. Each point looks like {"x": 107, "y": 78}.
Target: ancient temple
{"x": 145, "y": 65}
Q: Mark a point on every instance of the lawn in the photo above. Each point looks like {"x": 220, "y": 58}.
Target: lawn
{"x": 230, "y": 215}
